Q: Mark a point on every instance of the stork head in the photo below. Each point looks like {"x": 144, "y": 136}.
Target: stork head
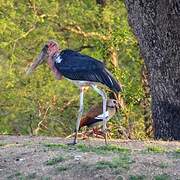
{"x": 48, "y": 50}
{"x": 112, "y": 103}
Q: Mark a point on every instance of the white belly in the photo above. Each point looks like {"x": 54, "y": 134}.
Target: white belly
{"x": 82, "y": 83}
{"x": 101, "y": 115}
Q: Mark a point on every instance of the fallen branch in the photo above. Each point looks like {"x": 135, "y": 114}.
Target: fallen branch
{"x": 77, "y": 30}
{"x": 84, "y": 47}
{"x": 40, "y": 124}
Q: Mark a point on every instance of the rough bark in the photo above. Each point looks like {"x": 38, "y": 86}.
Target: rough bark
{"x": 145, "y": 103}
{"x": 156, "y": 24}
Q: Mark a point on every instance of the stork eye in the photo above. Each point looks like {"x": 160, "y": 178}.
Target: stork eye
{"x": 52, "y": 45}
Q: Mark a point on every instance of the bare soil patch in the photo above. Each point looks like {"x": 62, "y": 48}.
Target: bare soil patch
{"x": 44, "y": 158}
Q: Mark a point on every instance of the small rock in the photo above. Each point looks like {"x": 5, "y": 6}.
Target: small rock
{"x": 77, "y": 157}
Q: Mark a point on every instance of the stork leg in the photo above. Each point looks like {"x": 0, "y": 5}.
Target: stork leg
{"x": 104, "y": 97}
{"x": 79, "y": 115}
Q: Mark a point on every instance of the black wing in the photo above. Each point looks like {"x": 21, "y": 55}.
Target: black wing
{"x": 76, "y": 66}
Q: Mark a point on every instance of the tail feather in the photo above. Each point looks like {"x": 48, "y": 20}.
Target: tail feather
{"x": 109, "y": 81}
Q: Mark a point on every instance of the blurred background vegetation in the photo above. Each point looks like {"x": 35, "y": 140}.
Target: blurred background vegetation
{"x": 40, "y": 104}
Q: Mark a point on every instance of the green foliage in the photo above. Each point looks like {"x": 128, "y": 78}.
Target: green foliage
{"x": 37, "y": 104}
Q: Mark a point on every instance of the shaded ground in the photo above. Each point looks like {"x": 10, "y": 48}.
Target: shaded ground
{"x": 44, "y": 158}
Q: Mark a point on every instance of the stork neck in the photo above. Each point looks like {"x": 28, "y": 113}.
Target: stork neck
{"x": 55, "y": 55}
{"x": 51, "y": 60}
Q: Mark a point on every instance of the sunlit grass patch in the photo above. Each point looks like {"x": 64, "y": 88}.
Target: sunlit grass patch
{"x": 102, "y": 149}
{"x": 86, "y": 148}
{"x": 156, "y": 149}
{"x": 177, "y": 150}
{"x": 55, "y": 161}
{"x": 115, "y": 148}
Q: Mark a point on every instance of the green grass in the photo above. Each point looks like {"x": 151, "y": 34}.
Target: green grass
{"x": 53, "y": 145}
{"x": 55, "y": 161}
{"x": 62, "y": 168}
{"x": 102, "y": 149}
{"x": 162, "y": 177}
{"x": 85, "y": 148}
{"x": 104, "y": 164}
{"x": 156, "y": 149}
{"x": 16, "y": 175}
{"x": 137, "y": 177}
{"x": 45, "y": 178}
{"x": 174, "y": 154}
{"x": 32, "y": 176}
{"x": 2, "y": 144}
{"x": 177, "y": 150}
{"x": 123, "y": 161}
{"x": 163, "y": 165}
{"x": 118, "y": 162}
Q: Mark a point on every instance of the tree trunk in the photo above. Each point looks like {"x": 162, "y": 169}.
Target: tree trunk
{"x": 145, "y": 103}
{"x": 156, "y": 24}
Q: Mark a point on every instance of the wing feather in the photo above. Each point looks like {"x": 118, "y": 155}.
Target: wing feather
{"x": 76, "y": 66}
{"x": 90, "y": 115}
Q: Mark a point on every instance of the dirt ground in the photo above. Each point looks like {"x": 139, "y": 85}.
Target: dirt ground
{"x": 45, "y": 158}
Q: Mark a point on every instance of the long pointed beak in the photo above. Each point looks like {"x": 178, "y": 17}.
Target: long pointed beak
{"x": 38, "y": 61}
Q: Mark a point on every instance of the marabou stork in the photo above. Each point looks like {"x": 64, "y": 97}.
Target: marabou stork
{"x": 81, "y": 69}
{"x": 94, "y": 117}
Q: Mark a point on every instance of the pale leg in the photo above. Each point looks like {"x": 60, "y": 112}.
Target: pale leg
{"x": 79, "y": 115}
{"x": 104, "y": 97}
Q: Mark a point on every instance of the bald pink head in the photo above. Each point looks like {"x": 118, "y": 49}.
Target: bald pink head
{"x": 50, "y": 48}
{"x": 53, "y": 48}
